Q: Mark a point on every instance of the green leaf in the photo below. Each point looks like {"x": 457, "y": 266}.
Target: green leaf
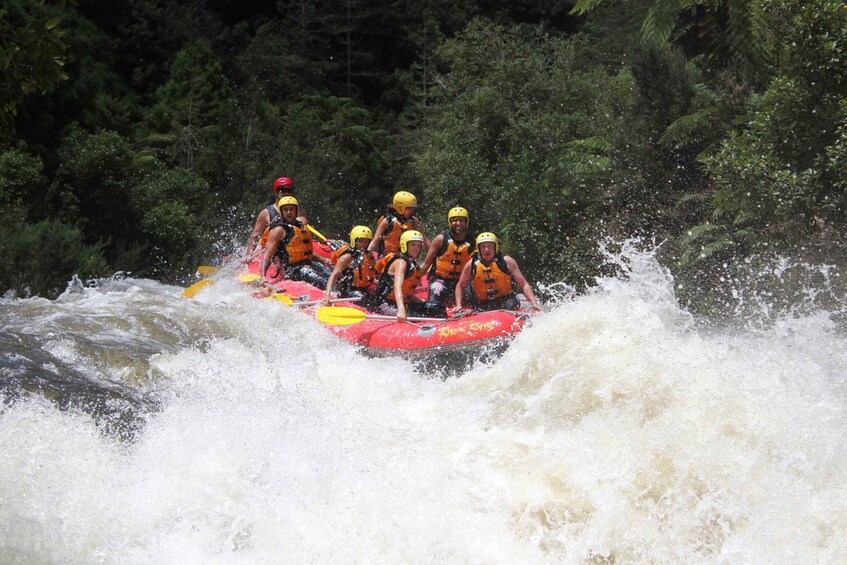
{"x": 584, "y": 6}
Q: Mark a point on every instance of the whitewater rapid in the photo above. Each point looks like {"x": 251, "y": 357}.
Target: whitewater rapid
{"x": 142, "y": 427}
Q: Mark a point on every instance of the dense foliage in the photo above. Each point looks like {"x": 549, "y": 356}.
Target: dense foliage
{"x": 144, "y": 135}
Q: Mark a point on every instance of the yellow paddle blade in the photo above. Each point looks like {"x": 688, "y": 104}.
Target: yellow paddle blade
{"x": 249, "y": 277}
{"x": 340, "y": 315}
{"x": 280, "y": 297}
{"x": 318, "y": 234}
{"x": 207, "y": 270}
{"x": 196, "y": 287}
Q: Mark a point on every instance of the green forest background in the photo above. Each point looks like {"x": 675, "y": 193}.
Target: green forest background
{"x": 143, "y": 136}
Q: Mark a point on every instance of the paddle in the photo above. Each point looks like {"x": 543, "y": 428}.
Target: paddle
{"x": 196, "y": 287}
{"x": 192, "y": 290}
{"x": 318, "y": 234}
{"x": 332, "y": 300}
{"x": 252, "y": 277}
{"x": 277, "y": 293}
{"x": 249, "y": 278}
{"x": 344, "y": 316}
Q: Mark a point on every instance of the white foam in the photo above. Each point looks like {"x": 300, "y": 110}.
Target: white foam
{"x": 612, "y": 429}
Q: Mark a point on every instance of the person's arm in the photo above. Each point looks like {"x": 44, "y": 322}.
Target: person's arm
{"x": 380, "y": 233}
{"x": 433, "y": 249}
{"x": 464, "y": 278}
{"x": 301, "y": 215}
{"x": 521, "y": 281}
{"x": 398, "y": 269}
{"x": 343, "y": 262}
{"x": 262, "y": 221}
{"x": 270, "y": 249}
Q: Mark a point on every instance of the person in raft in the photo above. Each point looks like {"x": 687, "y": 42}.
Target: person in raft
{"x": 355, "y": 267}
{"x": 487, "y": 279}
{"x": 399, "y": 218}
{"x": 290, "y": 244}
{"x": 283, "y": 186}
{"x": 399, "y": 277}
{"x": 448, "y": 254}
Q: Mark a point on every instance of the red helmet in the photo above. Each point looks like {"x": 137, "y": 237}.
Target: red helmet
{"x": 283, "y": 182}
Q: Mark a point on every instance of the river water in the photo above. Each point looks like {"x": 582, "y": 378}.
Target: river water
{"x": 141, "y": 427}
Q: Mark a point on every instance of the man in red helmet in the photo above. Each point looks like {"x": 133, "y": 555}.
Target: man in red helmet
{"x": 283, "y": 186}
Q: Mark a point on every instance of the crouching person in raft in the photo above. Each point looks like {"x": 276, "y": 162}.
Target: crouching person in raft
{"x": 399, "y": 277}
{"x": 355, "y": 267}
{"x": 446, "y": 257}
{"x": 487, "y": 279}
{"x": 290, "y": 242}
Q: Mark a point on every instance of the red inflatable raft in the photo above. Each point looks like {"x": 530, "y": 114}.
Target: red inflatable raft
{"x": 382, "y": 335}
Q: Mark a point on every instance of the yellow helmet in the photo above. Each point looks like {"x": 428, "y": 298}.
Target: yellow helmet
{"x": 403, "y": 200}
{"x": 411, "y": 235}
{"x": 287, "y": 201}
{"x": 488, "y": 237}
{"x": 458, "y": 212}
{"x": 359, "y": 232}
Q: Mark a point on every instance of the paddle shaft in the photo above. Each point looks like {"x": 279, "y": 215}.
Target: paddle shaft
{"x": 376, "y": 317}
{"x": 272, "y": 287}
{"x": 316, "y": 232}
{"x": 332, "y": 300}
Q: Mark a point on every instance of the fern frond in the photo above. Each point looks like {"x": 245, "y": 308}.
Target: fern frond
{"x": 743, "y": 218}
{"x": 597, "y": 143}
{"x": 681, "y": 132}
{"x": 660, "y": 22}
{"x": 589, "y": 166}
{"x": 716, "y": 247}
{"x": 584, "y": 6}
{"x": 694, "y": 197}
{"x": 745, "y": 235}
{"x": 703, "y": 94}
{"x": 699, "y": 232}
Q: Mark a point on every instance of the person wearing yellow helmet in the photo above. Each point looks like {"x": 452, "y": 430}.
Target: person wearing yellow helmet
{"x": 355, "y": 267}
{"x": 289, "y": 248}
{"x": 398, "y": 279}
{"x": 282, "y": 186}
{"x": 447, "y": 255}
{"x": 488, "y": 278}
{"x": 399, "y": 218}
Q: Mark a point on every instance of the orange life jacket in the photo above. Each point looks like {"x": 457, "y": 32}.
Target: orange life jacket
{"x": 398, "y": 225}
{"x": 362, "y": 269}
{"x": 296, "y": 246}
{"x": 490, "y": 281}
{"x": 452, "y": 257}
{"x": 385, "y": 286}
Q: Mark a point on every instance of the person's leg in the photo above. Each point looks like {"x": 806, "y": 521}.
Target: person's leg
{"x": 322, "y": 273}
{"x": 307, "y": 272}
{"x": 371, "y": 303}
{"x": 509, "y": 302}
{"x": 420, "y": 310}
{"x": 469, "y": 299}
{"x": 439, "y": 291}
